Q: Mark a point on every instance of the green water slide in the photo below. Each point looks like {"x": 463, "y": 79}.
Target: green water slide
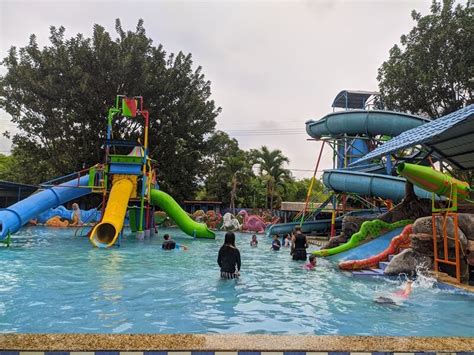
{"x": 179, "y": 216}
{"x": 368, "y": 230}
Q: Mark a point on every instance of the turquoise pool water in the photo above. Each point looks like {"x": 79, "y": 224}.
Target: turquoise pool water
{"x": 53, "y": 282}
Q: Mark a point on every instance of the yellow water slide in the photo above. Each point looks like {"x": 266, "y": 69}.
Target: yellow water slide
{"x": 106, "y": 232}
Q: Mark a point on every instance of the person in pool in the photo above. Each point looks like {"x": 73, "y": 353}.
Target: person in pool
{"x": 76, "y": 215}
{"x": 312, "y": 263}
{"x": 254, "y": 241}
{"x": 298, "y": 244}
{"x": 170, "y": 244}
{"x": 394, "y": 299}
{"x": 276, "y": 245}
{"x": 229, "y": 258}
{"x": 405, "y": 293}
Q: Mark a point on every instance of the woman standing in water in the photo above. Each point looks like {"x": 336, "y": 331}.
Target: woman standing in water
{"x": 229, "y": 258}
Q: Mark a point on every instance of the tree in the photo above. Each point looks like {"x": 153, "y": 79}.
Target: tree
{"x": 229, "y": 169}
{"x": 297, "y": 190}
{"x": 59, "y": 96}
{"x": 270, "y": 164}
{"x": 432, "y": 72}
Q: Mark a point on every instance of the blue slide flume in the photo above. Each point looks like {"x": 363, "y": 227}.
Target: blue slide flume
{"x": 18, "y": 214}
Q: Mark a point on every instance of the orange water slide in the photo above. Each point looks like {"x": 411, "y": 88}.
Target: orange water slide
{"x": 399, "y": 242}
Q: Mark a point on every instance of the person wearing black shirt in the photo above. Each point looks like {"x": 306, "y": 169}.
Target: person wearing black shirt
{"x": 276, "y": 245}
{"x": 169, "y": 243}
{"x": 299, "y": 245}
{"x": 229, "y": 258}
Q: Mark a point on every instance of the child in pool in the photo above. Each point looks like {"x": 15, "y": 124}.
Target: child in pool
{"x": 312, "y": 263}
{"x": 276, "y": 244}
{"x": 254, "y": 241}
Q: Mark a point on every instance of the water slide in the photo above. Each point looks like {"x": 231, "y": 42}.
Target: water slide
{"x": 358, "y": 179}
{"x": 367, "y": 123}
{"x": 18, "y": 214}
{"x": 106, "y": 232}
{"x": 397, "y": 243}
{"x": 368, "y": 230}
{"x": 179, "y": 216}
{"x": 367, "y": 249}
{"x": 318, "y": 226}
{"x": 371, "y": 185}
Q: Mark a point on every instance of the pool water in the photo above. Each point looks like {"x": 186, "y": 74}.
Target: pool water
{"x": 54, "y": 282}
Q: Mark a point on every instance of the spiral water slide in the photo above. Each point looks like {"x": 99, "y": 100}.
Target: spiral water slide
{"x": 18, "y": 214}
{"x": 359, "y": 180}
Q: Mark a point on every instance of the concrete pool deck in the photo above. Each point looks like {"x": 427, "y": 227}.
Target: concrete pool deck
{"x": 175, "y": 343}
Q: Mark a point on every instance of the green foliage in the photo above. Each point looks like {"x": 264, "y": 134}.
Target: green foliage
{"x": 228, "y": 170}
{"x": 297, "y": 190}
{"x": 431, "y": 72}
{"x": 59, "y": 96}
{"x": 270, "y": 166}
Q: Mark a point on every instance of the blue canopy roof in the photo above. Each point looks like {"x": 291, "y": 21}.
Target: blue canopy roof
{"x": 450, "y": 137}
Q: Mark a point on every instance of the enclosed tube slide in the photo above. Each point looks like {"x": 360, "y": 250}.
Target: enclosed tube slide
{"x": 372, "y": 185}
{"x": 179, "y": 216}
{"x": 106, "y": 232}
{"x": 368, "y": 230}
{"x": 18, "y": 214}
{"x": 369, "y": 123}
{"x": 434, "y": 181}
{"x": 318, "y": 226}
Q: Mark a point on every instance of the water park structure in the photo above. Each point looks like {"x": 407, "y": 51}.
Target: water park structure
{"x": 365, "y": 172}
{"x": 126, "y": 179}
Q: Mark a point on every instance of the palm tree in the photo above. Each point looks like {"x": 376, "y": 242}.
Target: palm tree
{"x": 234, "y": 165}
{"x": 270, "y": 164}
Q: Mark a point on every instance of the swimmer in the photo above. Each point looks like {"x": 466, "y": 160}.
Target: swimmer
{"x": 170, "y": 244}
{"x": 312, "y": 263}
{"x": 254, "y": 241}
{"x": 396, "y": 298}
{"x": 276, "y": 245}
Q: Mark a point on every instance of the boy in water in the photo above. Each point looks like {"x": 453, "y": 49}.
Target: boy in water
{"x": 276, "y": 244}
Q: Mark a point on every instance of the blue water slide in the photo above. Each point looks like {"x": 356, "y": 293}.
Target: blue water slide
{"x": 316, "y": 226}
{"x": 18, "y": 214}
{"x": 369, "y": 123}
{"x": 368, "y": 249}
{"x": 371, "y": 185}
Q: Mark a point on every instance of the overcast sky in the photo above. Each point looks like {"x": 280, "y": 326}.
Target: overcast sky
{"x": 273, "y": 64}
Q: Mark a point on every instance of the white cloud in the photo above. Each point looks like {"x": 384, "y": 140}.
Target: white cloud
{"x": 272, "y": 64}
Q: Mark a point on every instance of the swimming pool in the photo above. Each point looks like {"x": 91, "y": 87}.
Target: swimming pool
{"x": 52, "y": 282}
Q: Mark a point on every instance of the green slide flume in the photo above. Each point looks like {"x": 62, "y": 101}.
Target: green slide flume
{"x": 368, "y": 231}
{"x": 179, "y": 216}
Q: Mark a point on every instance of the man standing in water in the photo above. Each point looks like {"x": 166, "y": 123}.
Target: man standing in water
{"x": 298, "y": 244}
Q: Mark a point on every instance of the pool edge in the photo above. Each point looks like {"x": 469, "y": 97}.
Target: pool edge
{"x": 212, "y": 343}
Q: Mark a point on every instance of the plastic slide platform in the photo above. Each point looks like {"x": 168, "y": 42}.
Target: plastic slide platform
{"x": 368, "y": 229}
{"x": 179, "y": 216}
{"x": 18, "y": 214}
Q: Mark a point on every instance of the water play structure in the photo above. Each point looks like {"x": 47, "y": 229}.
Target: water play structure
{"x": 351, "y": 134}
{"x": 126, "y": 179}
